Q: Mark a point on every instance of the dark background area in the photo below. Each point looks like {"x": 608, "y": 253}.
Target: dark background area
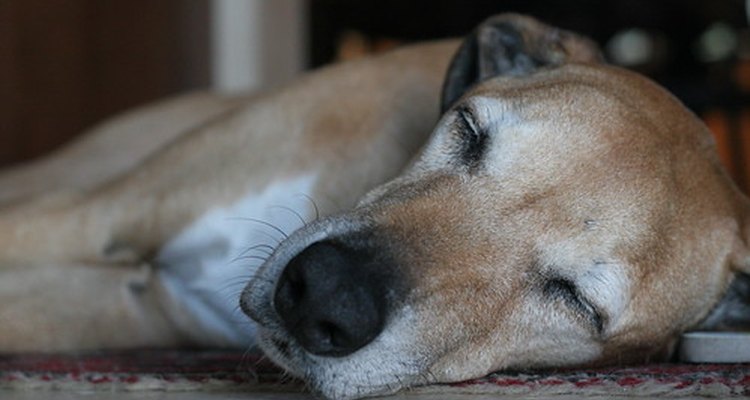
{"x": 679, "y": 22}
{"x": 64, "y": 65}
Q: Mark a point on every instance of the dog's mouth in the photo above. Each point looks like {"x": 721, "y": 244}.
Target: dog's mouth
{"x": 257, "y": 300}
{"x": 279, "y": 349}
{"x": 383, "y": 367}
{"x": 329, "y": 313}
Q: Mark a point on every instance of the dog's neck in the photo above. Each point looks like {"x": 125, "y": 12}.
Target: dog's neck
{"x": 732, "y": 313}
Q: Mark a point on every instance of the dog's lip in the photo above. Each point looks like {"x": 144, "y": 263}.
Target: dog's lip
{"x": 288, "y": 354}
{"x": 273, "y": 338}
{"x": 281, "y": 351}
{"x": 257, "y": 297}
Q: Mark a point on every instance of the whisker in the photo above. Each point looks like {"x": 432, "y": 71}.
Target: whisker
{"x": 267, "y": 247}
{"x": 260, "y": 221}
{"x": 291, "y": 210}
{"x": 260, "y": 359}
{"x": 241, "y": 319}
{"x": 232, "y": 285}
{"x": 236, "y": 309}
{"x": 244, "y": 360}
{"x": 251, "y": 257}
{"x": 261, "y": 279}
{"x": 314, "y": 205}
{"x": 268, "y": 253}
{"x": 234, "y": 294}
{"x": 263, "y": 257}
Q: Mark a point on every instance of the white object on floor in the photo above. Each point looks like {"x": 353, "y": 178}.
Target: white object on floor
{"x": 715, "y": 347}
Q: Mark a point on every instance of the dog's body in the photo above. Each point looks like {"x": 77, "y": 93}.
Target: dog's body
{"x": 563, "y": 212}
{"x": 182, "y": 180}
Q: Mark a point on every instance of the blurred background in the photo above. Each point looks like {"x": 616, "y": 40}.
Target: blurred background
{"x": 67, "y": 64}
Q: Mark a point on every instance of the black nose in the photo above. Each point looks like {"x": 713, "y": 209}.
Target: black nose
{"x": 332, "y": 298}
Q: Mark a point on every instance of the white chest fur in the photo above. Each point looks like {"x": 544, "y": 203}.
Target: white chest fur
{"x": 205, "y": 267}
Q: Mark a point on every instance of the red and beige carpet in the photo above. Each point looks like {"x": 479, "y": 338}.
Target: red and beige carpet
{"x": 231, "y": 371}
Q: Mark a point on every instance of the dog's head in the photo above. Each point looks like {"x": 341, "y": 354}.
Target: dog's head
{"x": 564, "y": 212}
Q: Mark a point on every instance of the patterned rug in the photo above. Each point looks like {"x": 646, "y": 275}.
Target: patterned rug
{"x": 231, "y": 371}
{"x": 171, "y": 370}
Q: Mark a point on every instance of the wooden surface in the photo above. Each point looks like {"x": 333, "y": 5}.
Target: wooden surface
{"x": 66, "y": 64}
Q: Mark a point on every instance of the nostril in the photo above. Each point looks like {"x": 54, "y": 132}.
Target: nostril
{"x": 290, "y": 290}
{"x": 323, "y": 336}
{"x": 337, "y": 336}
{"x": 333, "y": 335}
{"x": 328, "y": 338}
{"x": 331, "y": 298}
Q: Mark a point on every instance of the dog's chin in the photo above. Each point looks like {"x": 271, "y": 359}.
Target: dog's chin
{"x": 383, "y": 367}
{"x": 281, "y": 352}
{"x": 388, "y": 364}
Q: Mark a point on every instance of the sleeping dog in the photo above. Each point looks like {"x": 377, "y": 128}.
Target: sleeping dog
{"x": 562, "y": 212}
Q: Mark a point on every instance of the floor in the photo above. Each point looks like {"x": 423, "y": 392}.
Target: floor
{"x": 53, "y": 395}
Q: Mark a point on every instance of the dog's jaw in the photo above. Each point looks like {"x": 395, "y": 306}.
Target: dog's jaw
{"x": 543, "y": 226}
{"x": 388, "y": 364}
{"x": 350, "y": 377}
{"x": 393, "y": 361}
{"x": 257, "y": 297}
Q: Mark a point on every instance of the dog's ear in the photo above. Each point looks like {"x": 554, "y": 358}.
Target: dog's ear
{"x": 515, "y": 45}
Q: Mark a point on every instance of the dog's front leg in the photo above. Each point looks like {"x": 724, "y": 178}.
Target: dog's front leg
{"x": 65, "y": 306}
{"x": 60, "y": 289}
{"x": 55, "y": 228}
{"x": 114, "y": 227}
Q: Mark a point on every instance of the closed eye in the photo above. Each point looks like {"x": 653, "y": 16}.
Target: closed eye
{"x": 565, "y": 290}
{"x": 473, "y": 139}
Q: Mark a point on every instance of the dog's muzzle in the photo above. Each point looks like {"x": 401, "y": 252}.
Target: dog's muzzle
{"x": 333, "y": 297}
{"x": 329, "y": 289}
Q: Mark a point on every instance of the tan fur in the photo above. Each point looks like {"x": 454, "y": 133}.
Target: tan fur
{"x": 611, "y": 138}
{"x": 591, "y": 173}
{"x": 207, "y": 152}
{"x": 114, "y": 146}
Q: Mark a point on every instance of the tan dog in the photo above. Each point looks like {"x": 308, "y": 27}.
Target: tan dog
{"x": 563, "y": 212}
{"x": 144, "y": 239}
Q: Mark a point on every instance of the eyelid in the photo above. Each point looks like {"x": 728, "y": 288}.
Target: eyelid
{"x": 468, "y": 119}
{"x": 472, "y": 140}
{"x": 566, "y": 290}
